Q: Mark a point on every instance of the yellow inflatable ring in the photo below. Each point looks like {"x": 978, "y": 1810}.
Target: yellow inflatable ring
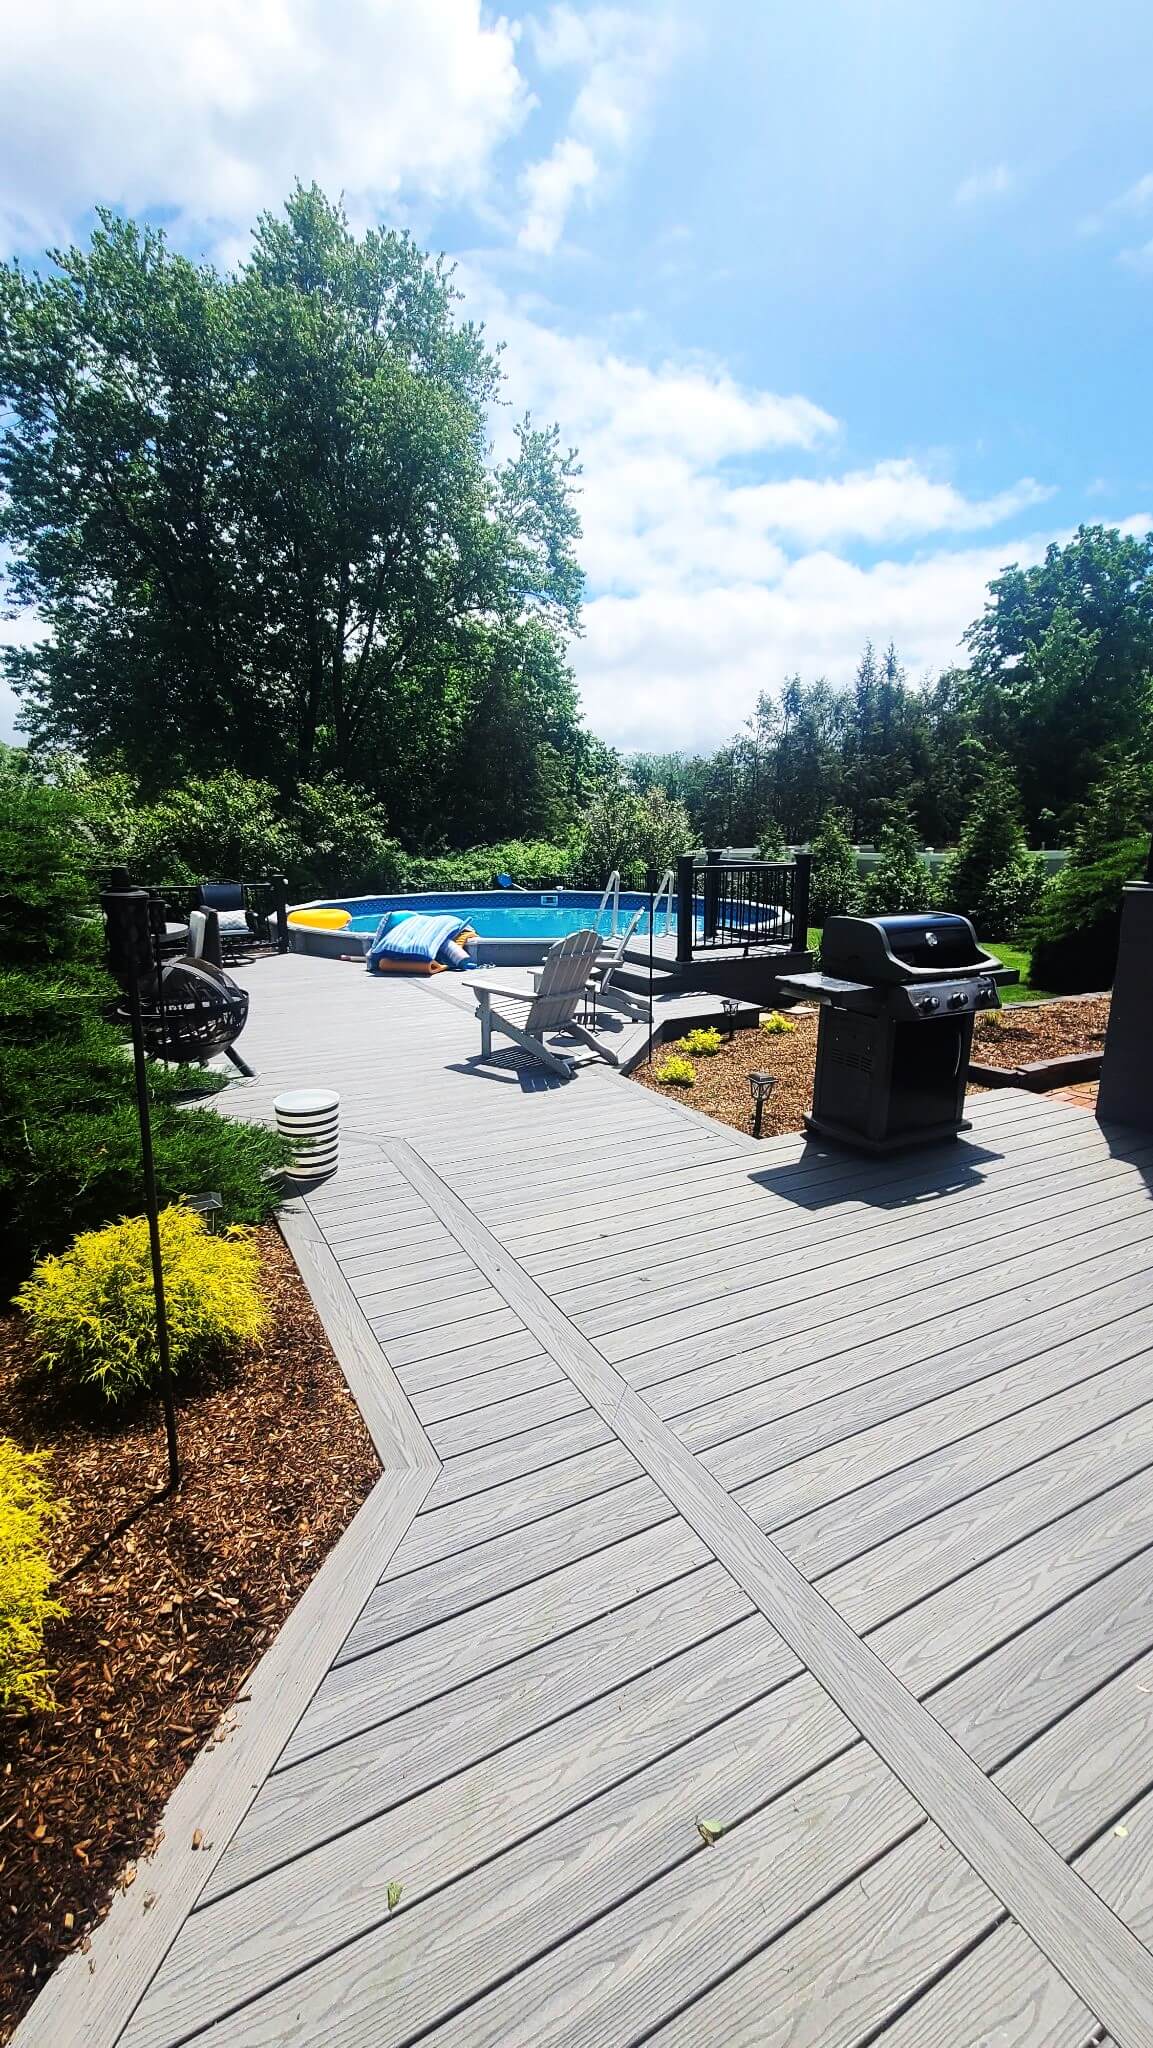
{"x": 321, "y": 920}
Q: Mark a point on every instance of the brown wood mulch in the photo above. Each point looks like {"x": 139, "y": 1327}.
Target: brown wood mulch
{"x": 721, "y": 1087}
{"x": 1008, "y": 1038}
{"x": 1024, "y": 1032}
{"x": 166, "y": 1621}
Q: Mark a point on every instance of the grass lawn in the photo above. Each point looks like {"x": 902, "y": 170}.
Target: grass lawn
{"x": 1010, "y": 956}
{"x": 1015, "y": 956}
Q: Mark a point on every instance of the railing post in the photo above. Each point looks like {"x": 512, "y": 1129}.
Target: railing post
{"x": 279, "y": 887}
{"x": 713, "y": 857}
{"x": 802, "y": 878}
{"x": 686, "y": 867}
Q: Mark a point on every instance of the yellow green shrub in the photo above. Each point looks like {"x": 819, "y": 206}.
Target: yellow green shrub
{"x": 93, "y": 1313}
{"x": 26, "y": 1510}
{"x": 676, "y": 1072}
{"x": 705, "y": 1039}
{"x": 775, "y": 1023}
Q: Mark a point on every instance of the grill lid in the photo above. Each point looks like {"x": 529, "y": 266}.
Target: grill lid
{"x": 932, "y": 946}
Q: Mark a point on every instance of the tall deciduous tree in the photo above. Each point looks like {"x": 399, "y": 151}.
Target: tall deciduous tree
{"x": 259, "y": 516}
{"x": 1061, "y": 661}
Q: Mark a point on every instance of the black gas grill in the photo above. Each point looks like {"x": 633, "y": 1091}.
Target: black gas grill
{"x": 898, "y": 996}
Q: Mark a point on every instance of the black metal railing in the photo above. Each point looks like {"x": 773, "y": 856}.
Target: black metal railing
{"x": 264, "y": 902}
{"x": 735, "y": 905}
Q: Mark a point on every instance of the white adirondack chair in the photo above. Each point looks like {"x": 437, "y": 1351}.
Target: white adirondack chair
{"x": 551, "y": 1007}
{"x": 605, "y": 990}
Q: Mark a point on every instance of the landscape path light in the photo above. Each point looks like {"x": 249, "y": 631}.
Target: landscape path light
{"x": 760, "y": 1088}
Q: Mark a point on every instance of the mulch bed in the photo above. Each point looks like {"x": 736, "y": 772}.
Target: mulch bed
{"x": 166, "y": 1620}
{"x": 1004, "y": 1038}
{"x": 1021, "y": 1033}
{"x": 721, "y": 1088}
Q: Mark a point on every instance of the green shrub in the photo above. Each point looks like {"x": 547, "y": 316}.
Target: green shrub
{"x": 532, "y": 864}
{"x": 635, "y": 832}
{"x": 776, "y": 1024}
{"x": 900, "y": 881}
{"x": 69, "y": 1140}
{"x": 771, "y": 840}
{"x": 1077, "y": 926}
{"x": 227, "y": 825}
{"x": 675, "y": 1072}
{"x": 26, "y": 1511}
{"x": 703, "y": 1040}
{"x": 93, "y": 1313}
{"x": 835, "y": 889}
{"x": 992, "y": 878}
{"x": 341, "y": 843}
{"x": 72, "y": 1170}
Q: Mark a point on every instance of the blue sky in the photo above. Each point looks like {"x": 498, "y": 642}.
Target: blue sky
{"x": 846, "y": 304}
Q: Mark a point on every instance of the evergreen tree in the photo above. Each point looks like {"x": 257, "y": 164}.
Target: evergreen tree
{"x": 770, "y": 839}
{"x": 836, "y": 887}
{"x": 900, "y": 881}
{"x": 992, "y": 878}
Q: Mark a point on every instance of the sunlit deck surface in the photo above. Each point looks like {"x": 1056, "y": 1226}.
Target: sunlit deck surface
{"x": 800, "y": 1495}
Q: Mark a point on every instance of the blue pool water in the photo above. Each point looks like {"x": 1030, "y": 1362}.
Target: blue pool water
{"x": 511, "y": 914}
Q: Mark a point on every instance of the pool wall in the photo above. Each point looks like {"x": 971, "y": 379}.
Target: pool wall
{"x": 489, "y": 952}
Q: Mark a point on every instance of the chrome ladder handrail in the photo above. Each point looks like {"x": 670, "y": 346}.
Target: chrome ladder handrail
{"x": 613, "y": 889}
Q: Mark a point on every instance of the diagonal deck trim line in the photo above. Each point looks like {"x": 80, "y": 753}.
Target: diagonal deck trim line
{"x": 389, "y": 1416}
{"x": 92, "y": 1997}
{"x": 1094, "y": 1951}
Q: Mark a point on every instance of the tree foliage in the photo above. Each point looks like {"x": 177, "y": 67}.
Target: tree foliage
{"x": 1077, "y": 926}
{"x": 258, "y": 516}
{"x": 835, "y": 889}
{"x": 992, "y": 878}
{"x": 1061, "y": 662}
{"x": 900, "y": 881}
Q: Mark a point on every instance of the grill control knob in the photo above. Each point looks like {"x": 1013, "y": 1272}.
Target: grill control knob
{"x": 928, "y": 1003}
{"x": 957, "y": 1002}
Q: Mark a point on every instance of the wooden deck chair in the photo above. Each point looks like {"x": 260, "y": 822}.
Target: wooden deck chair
{"x": 552, "y": 1006}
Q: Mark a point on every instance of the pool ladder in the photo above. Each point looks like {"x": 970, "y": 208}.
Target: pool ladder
{"x": 613, "y": 891}
{"x": 665, "y": 895}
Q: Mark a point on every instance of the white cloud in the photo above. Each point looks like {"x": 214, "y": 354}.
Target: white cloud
{"x": 994, "y": 183}
{"x": 214, "y": 110}
{"x": 621, "y": 55}
{"x": 708, "y": 583}
{"x": 1137, "y": 198}
{"x": 550, "y": 187}
{"x": 681, "y": 668}
{"x": 1128, "y": 206}
{"x": 18, "y": 632}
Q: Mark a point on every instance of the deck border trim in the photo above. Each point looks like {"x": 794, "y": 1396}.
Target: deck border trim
{"x": 1085, "y": 1941}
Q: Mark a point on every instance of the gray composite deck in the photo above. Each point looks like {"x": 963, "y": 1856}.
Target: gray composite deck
{"x": 765, "y": 1486}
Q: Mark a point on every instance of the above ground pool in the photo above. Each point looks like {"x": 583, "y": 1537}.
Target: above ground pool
{"x": 516, "y": 926}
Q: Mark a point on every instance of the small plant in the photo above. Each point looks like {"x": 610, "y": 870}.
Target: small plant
{"x": 775, "y": 1024}
{"x": 675, "y": 1072}
{"x": 26, "y": 1510}
{"x": 704, "y": 1040}
{"x": 93, "y": 1313}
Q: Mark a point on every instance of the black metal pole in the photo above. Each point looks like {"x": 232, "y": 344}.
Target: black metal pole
{"x": 129, "y": 936}
{"x": 652, "y": 920}
{"x": 152, "y": 1208}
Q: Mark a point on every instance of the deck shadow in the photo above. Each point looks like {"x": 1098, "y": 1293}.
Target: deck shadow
{"x": 826, "y": 1175}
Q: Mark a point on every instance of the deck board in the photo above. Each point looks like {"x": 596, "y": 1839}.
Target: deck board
{"x": 807, "y": 1493}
